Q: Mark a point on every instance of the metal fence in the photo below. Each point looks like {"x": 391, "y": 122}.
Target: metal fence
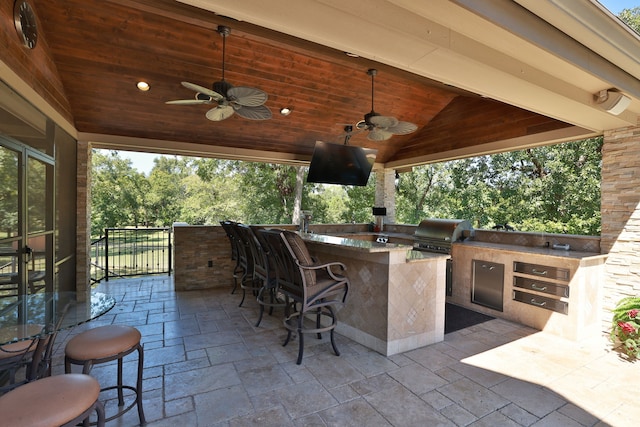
{"x": 124, "y": 252}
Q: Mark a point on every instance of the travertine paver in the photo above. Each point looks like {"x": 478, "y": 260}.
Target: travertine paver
{"x": 207, "y": 365}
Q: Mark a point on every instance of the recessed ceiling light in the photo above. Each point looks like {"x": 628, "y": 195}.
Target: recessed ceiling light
{"x": 143, "y": 86}
{"x": 285, "y": 111}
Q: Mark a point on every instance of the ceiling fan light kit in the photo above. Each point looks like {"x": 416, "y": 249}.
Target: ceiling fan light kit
{"x": 381, "y": 127}
{"x": 247, "y": 102}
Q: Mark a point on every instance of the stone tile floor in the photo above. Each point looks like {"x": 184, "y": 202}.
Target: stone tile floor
{"x": 207, "y": 365}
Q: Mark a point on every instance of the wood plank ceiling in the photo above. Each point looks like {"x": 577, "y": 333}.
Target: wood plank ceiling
{"x": 101, "y": 48}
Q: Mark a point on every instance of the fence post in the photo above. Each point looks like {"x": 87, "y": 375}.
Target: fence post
{"x": 106, "y": 254}
{"x": 170, "y": 252}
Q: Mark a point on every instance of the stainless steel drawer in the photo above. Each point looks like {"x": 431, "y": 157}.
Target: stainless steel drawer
{"x": 541, "y": 286}
{"x": 541, "y": 270}
{"x": 542, "y": 302}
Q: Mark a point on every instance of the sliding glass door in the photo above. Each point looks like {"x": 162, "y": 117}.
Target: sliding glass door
{"x": 26, "y": 219}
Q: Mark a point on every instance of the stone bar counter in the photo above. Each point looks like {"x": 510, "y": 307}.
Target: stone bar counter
{"x": 396, "y": 300}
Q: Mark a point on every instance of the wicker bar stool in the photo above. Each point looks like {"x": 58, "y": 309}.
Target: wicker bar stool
{"x": 105, "y": 344}
{"x": 60, "y": 400}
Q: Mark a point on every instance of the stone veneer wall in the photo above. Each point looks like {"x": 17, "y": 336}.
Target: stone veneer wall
{"x": 386, "y": 193}
{"x": 83, "y": 219}
{"x": 201, "y": 258}
{"x": 621, "y": 215}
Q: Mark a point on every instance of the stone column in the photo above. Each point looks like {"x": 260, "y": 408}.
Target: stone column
{"x": 620, "y": 211}
{"x": 386, "y": 193}
{"x": 83, "y": 218}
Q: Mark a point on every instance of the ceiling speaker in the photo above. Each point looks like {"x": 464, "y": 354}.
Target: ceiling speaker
{"x": 612, "y": 101}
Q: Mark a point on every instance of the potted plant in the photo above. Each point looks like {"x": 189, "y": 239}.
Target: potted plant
{"x": 625, "y": 325}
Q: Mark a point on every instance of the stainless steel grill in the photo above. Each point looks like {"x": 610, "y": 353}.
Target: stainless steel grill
{"x": 437, "y": 235}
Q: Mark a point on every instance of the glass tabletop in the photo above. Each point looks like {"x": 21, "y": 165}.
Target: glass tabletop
{"x": 26, "y": 316}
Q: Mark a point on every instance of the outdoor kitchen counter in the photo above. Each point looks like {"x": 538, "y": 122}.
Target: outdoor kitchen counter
{"x": 396, "y": 299}
{"x": 549, "y": 252}
{"x": 558, "y": 291}
{"x": 354, "y": 243}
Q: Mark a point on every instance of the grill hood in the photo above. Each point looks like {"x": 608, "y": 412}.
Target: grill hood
{"x": 437, "y": 235}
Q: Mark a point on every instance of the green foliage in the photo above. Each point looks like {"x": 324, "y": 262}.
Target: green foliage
{"x": 625, "y": 325}
{"x": 8, "y": 192}
{"x": 117, "y": 193}
{"x": 553, "y": 189}
{"x": 631, "y": 17}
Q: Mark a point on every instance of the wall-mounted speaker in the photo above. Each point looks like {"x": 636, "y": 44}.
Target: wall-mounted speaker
{"x": 612, "y": 101}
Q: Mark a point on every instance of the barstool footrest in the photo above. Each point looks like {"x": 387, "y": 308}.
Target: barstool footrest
{"x": 122, "y": 411}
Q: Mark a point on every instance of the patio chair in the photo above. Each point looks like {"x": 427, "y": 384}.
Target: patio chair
{"x": 314, "y": 288}
{"x": 248, "y": 281}
{"x": 237, "y": 270}
{"x": 264, "y": 272}
{"x": 33, "y": 354}
{"x": 18, "y": 356}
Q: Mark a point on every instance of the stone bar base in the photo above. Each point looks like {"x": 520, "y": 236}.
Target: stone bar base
{"x": 395, "y": 303}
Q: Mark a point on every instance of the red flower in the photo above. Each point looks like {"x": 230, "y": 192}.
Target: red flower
{"x": 633, "y": 313}
{"x": 626, "y": 327}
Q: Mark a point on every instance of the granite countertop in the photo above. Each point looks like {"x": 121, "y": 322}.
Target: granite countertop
{"x": 355, "y": 244}
{"x": 373, "y": 246}
{"x": 533, "y": 250}
{"x": 417, "y": 256}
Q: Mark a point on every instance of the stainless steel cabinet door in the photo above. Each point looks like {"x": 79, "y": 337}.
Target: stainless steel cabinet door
{"x": 487, "y": 286}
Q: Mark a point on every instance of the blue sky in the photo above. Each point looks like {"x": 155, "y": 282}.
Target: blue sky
{"x": 143, "y": 162}
{"x": 616, "y": 6}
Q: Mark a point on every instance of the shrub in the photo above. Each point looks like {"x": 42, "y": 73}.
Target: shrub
{"x": 625, "y": 325}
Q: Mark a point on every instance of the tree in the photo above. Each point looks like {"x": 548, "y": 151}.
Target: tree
{"x": 118, "y": 193}
{"x": 549, "y": 189}
{"x": 631, "y": 17}
{"x": 421, "y": 193}
{"x": 8, "y": 193}
{"x": 164, "y": 201}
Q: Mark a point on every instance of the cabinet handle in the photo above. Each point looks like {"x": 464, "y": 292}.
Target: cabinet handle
{"x": 538, "y": 272}
{"x": 537, "y": 288}
{"x": 539, "y": 304}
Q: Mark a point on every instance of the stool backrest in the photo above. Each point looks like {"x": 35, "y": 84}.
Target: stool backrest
{"x": 245, "y": 258}
{"x": 288, "y": 275}
{"x": 227, "y": 226}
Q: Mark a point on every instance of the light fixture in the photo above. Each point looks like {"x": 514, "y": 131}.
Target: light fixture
{"x": 612, "y": 101}
{"x": 285, "y": 111}
{"x": 143, "y": 86}
{"x": 352, "y": 55}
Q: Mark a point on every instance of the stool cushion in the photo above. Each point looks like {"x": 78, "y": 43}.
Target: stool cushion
{"x": 51, "y": 401}
{"x": 16, "y": 348}
{"x": 102, "y": 342}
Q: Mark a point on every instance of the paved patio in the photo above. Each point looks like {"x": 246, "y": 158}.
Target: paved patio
{"x": 207, "y": 365}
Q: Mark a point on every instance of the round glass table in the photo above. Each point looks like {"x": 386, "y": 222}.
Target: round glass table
{"x": 29, "y": 316}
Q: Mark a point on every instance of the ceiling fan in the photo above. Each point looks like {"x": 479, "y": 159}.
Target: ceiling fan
{"x": 247, "y": 102}
{"x": 380, "y": 127}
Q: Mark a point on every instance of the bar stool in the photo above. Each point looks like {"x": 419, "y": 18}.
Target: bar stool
{"x": 104, "y": 344}
{"x": 61, "y": 400}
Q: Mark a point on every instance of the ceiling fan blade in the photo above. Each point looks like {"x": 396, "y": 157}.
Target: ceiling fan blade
{"x": 383, "y": 121}
{"x": 260, "y": 112}
{"x": 189, "y": 102}
{"x": 201, "y": 89}
{"x": 247, "y": 96}
{"x": 378, "y": 135}
{"x": 402, "y": 128}
{"x": 219, "y": 113}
